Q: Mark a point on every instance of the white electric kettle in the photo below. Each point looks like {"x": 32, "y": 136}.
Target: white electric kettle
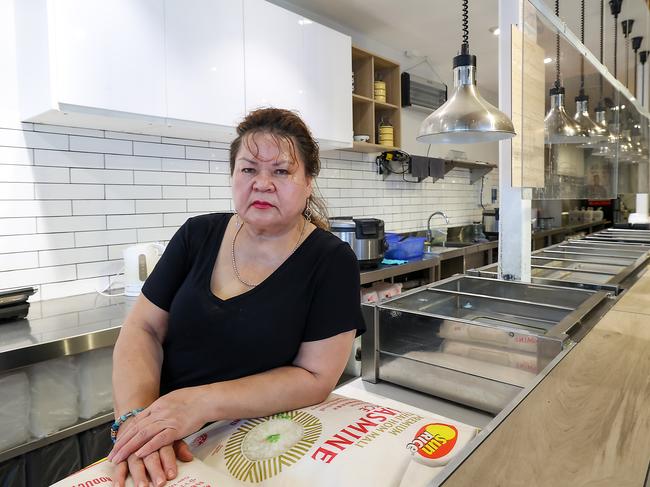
{"x": 139, "y": 261}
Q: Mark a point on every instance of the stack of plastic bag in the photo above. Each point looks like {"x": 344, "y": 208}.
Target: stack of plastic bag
{"x": 14, "y": 413}
{"x": 54, "y": 396}
{"x": 95, "y": 390}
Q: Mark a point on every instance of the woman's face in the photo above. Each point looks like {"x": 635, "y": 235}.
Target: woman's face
{"x": 269, "y": 187}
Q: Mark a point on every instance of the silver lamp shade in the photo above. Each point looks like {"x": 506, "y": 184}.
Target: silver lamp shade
{"x": 559, "y": 128}
{"x": 589, "y": 128}
{"x": 465, "y": 118}
{"x": 606, "y": 147}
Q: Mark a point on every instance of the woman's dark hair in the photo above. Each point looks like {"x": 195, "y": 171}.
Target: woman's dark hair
{"x": 285, "y": 125}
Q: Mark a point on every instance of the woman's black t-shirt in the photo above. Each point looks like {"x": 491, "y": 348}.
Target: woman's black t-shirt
{"x": 313, "y": 295}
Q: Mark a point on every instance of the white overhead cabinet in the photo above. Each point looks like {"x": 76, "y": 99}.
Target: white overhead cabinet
{"x": 109, "y": 55}
{"x": 294, "y": 63}
{"x": 204, "y": 49}
{"x": 186, "y": 68}
{"x": 327, "y": 60}
{"x": 91, "y": 63}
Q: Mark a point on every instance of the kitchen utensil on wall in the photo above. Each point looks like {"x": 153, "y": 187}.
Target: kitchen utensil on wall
{"x": 139, "y": 261}
{"x": 466, "y": 117}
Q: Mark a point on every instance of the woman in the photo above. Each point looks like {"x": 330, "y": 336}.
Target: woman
{"x": 245, "y": 315}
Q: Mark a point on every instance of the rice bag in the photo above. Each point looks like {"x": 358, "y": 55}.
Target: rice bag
{"x": 14, "y": 410}
{"x": 54, "y": 396}
{"x": 341, "y": 441}
{"x": 190, "y": 474}
{"x": 95, "y": 384}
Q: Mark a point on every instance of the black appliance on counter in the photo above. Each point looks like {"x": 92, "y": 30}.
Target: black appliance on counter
{"x": 13, "y": 303}
{"x": 365, "y": 236}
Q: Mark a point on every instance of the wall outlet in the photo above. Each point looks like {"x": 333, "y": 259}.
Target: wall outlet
{"x": 493, "y": 195}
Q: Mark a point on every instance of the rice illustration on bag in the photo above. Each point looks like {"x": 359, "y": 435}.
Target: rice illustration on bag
{"x": 341, "y": 441}
{"x": 263, "y": 447}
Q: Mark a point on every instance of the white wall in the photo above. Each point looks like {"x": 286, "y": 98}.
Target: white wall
{"x": 72, "y": 199}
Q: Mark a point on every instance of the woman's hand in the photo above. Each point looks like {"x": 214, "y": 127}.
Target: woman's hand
{"x": 158, "y": 466}
{"x": 170, "y": 418}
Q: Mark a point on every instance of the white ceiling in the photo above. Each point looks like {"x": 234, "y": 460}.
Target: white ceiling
{"x": 432, "y": 27}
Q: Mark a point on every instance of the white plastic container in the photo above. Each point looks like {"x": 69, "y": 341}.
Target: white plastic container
{"x": 598, "y": 214}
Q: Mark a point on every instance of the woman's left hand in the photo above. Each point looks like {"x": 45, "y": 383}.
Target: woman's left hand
{"x": 171, "y": 417}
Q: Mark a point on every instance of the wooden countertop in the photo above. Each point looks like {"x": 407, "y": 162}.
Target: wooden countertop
{"x": 588, "y": 421}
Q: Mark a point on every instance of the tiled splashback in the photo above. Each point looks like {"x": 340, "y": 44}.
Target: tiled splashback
{"x": 72, "y": 199}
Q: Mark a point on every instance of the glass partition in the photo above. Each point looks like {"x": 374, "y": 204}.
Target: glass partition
{"x": 580, "y": 135}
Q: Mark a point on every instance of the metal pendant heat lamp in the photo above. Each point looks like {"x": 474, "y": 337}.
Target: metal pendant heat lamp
{"x": 588, "y": 127}
{"x": 559, "y": 128}
{"x": 466, "y": 117}
{"x": 601, "y": 111}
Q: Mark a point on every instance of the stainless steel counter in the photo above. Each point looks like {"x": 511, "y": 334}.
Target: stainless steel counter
{"x": 474, "y": 417}
{"x": 426, "y": 261}
{"x": 61, "y": 327}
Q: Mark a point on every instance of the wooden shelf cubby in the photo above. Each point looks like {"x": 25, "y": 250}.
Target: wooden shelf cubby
{"x": 367, "y": 113}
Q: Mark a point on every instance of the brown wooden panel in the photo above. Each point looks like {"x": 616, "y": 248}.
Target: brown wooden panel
{"x": 587, "y": 423}
{"x": 528, "y": 106}
{"x": 362, "y": 67}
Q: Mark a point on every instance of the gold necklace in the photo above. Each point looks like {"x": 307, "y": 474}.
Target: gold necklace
{"x": 234, "y": 262}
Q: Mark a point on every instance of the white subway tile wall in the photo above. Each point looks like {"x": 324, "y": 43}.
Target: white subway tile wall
{"x": 72, "y": 199}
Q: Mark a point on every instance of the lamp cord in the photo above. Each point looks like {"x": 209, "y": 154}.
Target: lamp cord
{"x": 557, "y": 47}
{"x": 615, "y": 45}
{"x": 582, "y": 39}
{"x": 465, "y": 20}
{"x": 627, "y": 62}
{"x": 602, "y": 15}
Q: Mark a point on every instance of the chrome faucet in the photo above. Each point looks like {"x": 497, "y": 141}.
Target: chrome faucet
{"x": 442, "y": 214}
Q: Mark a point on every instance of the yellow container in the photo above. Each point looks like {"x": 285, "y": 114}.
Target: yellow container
{"x": 380, "y": 91}
{"x": 385, "y": 134}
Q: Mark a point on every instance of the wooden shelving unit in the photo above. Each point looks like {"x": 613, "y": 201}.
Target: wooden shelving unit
{"x": 367, "y": 113}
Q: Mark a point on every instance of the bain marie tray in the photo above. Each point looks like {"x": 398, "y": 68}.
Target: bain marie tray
{"x": 474, "y": 340}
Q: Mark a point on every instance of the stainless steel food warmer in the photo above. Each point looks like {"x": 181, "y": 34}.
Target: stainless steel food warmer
{"x": 473, "y": 340}
{"x": 621, "y": 235}
{"x": 583, "y": 263}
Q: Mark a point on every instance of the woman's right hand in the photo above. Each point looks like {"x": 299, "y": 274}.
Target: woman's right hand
{"x": 159, "y": 466}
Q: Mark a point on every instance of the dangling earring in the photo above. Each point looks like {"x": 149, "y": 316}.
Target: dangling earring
{"x": 308, "y": 211}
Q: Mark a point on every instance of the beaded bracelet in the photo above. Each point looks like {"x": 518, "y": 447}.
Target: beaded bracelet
{"x": 118, "y": 422}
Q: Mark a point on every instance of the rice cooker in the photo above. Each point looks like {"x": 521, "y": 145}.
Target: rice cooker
{"x": 365, "y": 236}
